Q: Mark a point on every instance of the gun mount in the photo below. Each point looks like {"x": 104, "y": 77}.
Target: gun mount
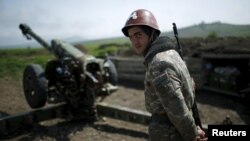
{"x": 73, "y": 77}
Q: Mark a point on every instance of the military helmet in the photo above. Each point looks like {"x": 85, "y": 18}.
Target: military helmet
{"x": 141, "y": 17}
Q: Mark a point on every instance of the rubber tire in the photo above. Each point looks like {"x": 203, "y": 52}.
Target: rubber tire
{"x": 113, "y": 79}
{"x": 35, "y": 86}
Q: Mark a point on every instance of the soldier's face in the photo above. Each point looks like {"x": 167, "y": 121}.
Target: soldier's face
{"x": 138, "y": 38}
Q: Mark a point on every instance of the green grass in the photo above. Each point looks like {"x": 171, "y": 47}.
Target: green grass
{"x": 96, "y": 51}
{"x": 14, "y": 61}
{"x": 23, "y": 52}
{"x": 113, "y": 45}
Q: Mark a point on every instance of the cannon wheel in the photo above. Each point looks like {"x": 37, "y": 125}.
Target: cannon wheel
{"x": 35, "y": 86}
{"x": 113, "y": 79}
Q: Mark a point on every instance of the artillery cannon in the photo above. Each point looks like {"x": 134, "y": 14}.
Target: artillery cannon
{"x": 73, "y": 77}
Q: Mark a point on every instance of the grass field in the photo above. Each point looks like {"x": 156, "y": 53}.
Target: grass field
{"x": 13, "y": 61}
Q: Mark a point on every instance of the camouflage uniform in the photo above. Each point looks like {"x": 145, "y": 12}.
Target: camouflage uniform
{"x": 169, "y": 91}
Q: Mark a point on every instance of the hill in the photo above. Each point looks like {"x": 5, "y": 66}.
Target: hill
{"x": 34, "y": 44}
{"x": 217, "y": 28}
{"x": 202, "y": 30}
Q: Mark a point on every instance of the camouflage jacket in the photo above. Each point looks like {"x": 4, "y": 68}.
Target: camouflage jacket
{"x": 169, "y": 87}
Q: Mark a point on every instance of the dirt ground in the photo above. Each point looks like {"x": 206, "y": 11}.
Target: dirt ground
{"x": 213, "y": 110}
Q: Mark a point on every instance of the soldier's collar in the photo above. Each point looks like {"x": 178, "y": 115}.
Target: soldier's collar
{"x": 159, "y": 45}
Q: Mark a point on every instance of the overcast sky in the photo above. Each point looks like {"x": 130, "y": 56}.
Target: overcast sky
{"x": 95, "y": 19}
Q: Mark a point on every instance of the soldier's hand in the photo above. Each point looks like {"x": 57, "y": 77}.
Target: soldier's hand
{"x": 201, "y": 135}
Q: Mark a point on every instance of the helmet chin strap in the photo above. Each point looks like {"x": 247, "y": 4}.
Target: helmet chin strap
{"x": 150, "y": 40}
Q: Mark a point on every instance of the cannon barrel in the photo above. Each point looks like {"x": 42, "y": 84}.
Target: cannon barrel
{"x": 27, "y": 31}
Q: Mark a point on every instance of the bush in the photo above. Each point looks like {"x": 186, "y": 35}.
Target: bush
{"x": 212, "y": 34}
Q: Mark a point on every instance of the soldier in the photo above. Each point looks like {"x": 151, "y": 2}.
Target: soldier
{"x": 169, "y": 91}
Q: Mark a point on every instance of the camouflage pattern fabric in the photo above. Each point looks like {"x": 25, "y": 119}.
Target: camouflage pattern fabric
{"x": 169, "y": 89}
{"x": 163, "y": 132}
